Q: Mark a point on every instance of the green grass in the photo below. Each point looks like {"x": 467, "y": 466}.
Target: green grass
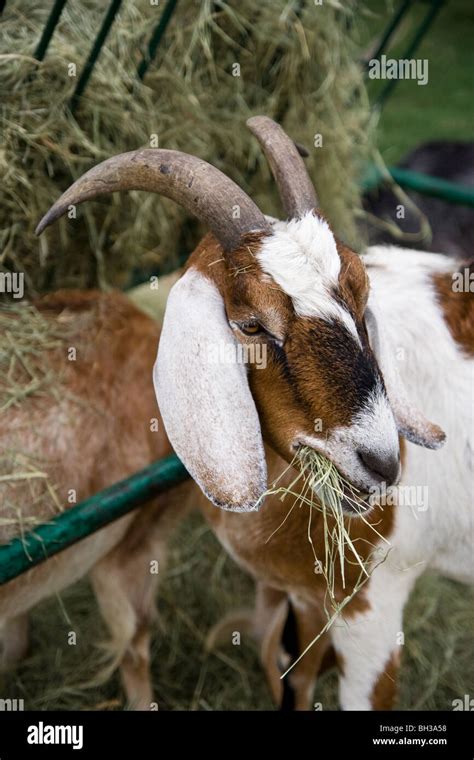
{"x": 444, "y": 108}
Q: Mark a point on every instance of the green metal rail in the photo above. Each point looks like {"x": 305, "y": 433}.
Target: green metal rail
{"x": 434, "y": 6}
{"x": 421, "y": 183}
{"x": 156, "y": 38}
{"x": 109, "y": 17}
{"x": 394, "y": 23}
{"x": 49, "y": 28}
{"x": 85, "y": 518}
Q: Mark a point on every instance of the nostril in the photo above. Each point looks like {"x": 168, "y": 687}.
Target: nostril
{"x": 385, "y": 468}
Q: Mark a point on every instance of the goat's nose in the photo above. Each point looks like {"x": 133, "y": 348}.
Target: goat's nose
{"x": 385, "y": 468}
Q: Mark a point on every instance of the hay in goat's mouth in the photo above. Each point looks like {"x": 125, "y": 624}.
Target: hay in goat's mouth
{"x": 320, "y": 486}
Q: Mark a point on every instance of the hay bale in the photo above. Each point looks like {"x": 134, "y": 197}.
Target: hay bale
{"x": 297, "y": 64}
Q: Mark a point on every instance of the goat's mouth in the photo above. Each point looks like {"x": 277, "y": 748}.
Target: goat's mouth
{"x": 353, "y": 500}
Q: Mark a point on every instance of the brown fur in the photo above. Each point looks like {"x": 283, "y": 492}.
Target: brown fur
{"x": 353, "y": 282}
{"x": 385, "y": 688}
{"x": 458, "y": 308}
{"x": 247, "y": 537}
{"x": 97, "y": 433}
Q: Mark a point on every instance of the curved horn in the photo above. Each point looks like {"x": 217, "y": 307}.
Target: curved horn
{"x": 294, "y": 185}
{"x": 199, "y": 187}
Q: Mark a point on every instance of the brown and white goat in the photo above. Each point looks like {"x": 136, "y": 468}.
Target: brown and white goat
{"x": 342, "y": 362}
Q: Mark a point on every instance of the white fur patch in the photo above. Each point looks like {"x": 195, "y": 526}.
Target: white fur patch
{"x": 439, "y": 379}
{"x": 367, "y": 641}
{"x": 301, "y": 256}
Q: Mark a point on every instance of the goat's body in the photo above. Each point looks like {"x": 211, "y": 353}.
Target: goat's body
{"x": 433, "y": 528}
{"x": 438, "y": 529}
{"x": 439, "y": 376}
{"x": 95, "y": 430}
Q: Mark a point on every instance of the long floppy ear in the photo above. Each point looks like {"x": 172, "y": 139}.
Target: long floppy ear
{"x": 204, "y": 398}
{"x": 411, "y": 423}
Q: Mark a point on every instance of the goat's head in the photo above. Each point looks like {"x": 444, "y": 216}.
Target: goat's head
{"x": 268, "y": 334}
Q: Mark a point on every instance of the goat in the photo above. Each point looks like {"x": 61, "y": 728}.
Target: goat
{"x": 346, "y": 342}
{"x": 99, "y": 431}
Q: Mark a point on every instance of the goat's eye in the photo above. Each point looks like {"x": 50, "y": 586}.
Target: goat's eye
{"x": 251, "y": 328}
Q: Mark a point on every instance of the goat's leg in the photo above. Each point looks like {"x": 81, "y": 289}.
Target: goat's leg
{"x": 125, "y": 584}
{"x": 264, "y": 623}
{"x": 267, "y": 622}
{"x": 14, "y": 640}
{"x": 308, "y": 622}
{"x": 248, "y": 621}
{"x": 125, "y": 592}
{"x": 368, "y": 643}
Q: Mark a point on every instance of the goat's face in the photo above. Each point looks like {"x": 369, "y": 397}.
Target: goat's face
{"x": 273, "y": 343}
{"x": 294, "y": 302}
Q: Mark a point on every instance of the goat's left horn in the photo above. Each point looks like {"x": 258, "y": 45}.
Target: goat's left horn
{"x": 296, "y": 190}
{"x": 196, "y": 185}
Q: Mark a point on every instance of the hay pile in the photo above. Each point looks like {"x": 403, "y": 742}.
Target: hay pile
{"x": 296, "y": 64}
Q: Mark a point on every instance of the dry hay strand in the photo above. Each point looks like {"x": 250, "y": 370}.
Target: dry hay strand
{"x": 27, "y": 494}
{"x": 297, "y": 64}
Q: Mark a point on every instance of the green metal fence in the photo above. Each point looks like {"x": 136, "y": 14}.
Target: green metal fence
{"x": 420, "y": 183}
{"x": 434, "y": 6}
{"x": 109, "y": 18}
{"x": 89, "y": 516}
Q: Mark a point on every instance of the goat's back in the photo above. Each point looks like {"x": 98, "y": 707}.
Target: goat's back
{"x": 90, "y": 420}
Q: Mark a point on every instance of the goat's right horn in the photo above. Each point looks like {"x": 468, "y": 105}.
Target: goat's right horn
{"x": 296, "y": 190}
{"x": 199, "y": 187}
